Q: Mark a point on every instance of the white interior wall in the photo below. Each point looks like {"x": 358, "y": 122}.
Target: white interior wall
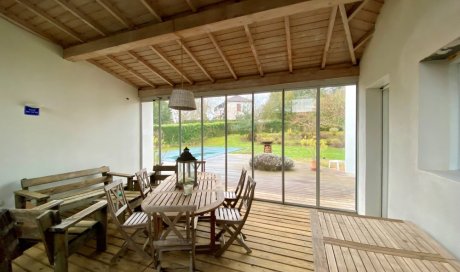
{"x": 87, "y": 118}
{"x": 406, "y": 32}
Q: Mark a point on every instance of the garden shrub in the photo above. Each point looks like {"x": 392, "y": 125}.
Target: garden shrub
{"x": 271, "y": 162}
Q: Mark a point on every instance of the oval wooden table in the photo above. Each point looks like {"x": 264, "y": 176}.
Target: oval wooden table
{"x": 207, "y": 196}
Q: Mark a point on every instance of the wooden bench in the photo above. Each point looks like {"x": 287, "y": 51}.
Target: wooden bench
{"x": 76, "y": 189}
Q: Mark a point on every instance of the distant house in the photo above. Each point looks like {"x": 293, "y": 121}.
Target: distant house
{"x": 236, "y": 106}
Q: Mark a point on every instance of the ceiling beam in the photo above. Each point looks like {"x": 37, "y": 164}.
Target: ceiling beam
{"x": 50, "y": 20}
{"x": 287, "y": 28}
{"x": 115, "y": 13}
{"x": 170, "y": 63}
{"x": 197, "y": 62}
{"x": 357, "y": 9}
{"x": 253, "y": 49}
{"x": 222, "y": 55}
{"x": 363, "y": 39}
{"x": 67, "y": 5}
{"x": 149, "y": 67}
{"x": 148, "y": 5}
{"x": 94, "y": 62}
{"x": 191, "y": 5}
{"x": 333, "y": 75}
{"x": 211, "y": 20}
{"x": 330, "y": 29}
{"x": 131, "y": 71}
{"x": 346, "y": 27}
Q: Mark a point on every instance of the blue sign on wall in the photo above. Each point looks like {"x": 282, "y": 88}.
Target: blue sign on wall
{"x": 31, "y": 111}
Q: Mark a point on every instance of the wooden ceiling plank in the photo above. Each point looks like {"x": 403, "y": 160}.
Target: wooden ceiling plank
{"x": 170, "y": 63}
{"x": 288, "y": 42}
{"x": 152, "y": 10}
{"x": 149, "y": 67}
{"x": 50, "y": 19}
{"x": 339, "y": 74}
{"x": 358, "y": 8}
{"x": 191, "y": 5}
{"x": 330, "y": 28}
{"x": 222, "y": 55}
{"x": 115, "y": 13}
{"x": 363, "y": 39}
{"x": 94, "y": 62}
{"x": 134, "y": 73}
{"x": 25, "y": 25}
{"x": 80, "y": 15}
{"x": 343, "y": 14}
{"x": 253, "y": 49}
{"x": 197, "y": 62}
{"x": 209, "y": 20}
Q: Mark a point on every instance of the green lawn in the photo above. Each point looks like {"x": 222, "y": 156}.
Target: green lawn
{"x": 296, "y": 152}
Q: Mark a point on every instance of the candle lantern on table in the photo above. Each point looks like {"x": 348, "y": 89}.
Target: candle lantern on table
{"x": 186, "y": 169}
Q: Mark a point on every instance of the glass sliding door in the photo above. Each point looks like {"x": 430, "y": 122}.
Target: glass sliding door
{"x": 337, "y": 145}
{"x": 239, "y": 137}
{"x": 170, "y": 134}
{"x": 191, "y": 130}
{"x": 267, "y": 162}
{"x": 214, "y": 135}
{"x": 300, "y": 146}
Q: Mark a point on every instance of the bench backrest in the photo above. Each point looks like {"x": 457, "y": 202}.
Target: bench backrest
{"x": 53, "y": 184}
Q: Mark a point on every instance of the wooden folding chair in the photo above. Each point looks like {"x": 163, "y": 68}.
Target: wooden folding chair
{"x": 171, "y": 228}
{"x": 232, "y": 220}
{"x": 143, "y": 182}
{"x": 159, "y": 174}
{"x": 232, "y": 197}
{"x": 125, "y": 218}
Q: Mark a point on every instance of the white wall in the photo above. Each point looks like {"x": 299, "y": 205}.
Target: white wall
{"x": 87, "y": 118}
{"x": 406, "y": 32}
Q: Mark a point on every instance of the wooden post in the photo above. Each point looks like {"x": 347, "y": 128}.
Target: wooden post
{"x": 61, "y": 252}
{"x": 101, "y": 231}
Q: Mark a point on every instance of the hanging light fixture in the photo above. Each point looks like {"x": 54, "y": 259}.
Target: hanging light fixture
{"x": 182, "y": 99}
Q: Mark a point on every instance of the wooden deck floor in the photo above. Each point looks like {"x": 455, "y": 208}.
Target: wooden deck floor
{"x": 344, "y": 242}
{"x": 279, "y": 236}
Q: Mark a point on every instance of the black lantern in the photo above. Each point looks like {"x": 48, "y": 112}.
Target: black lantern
{"x": 186, "y": 169}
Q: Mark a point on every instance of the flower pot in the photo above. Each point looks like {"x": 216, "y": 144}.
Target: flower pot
{"x": 313, "y": 165}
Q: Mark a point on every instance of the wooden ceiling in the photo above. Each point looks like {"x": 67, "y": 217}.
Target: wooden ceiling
{"x": 156, "y": 44}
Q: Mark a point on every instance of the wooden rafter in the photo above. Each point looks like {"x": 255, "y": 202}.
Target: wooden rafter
{"x": 24, "y": 25}
{"x": 222, "y": 55}
{"x": 346, "y": 27}
{"x": 335, "y": 75}
{"x": 208, "y": 20}
{"x": 149, "y": 67}
{"x": 253, "y": 49}
{"x": 197, "y": 62}
{"x": 131, "y": 71}
{"x": 80, "y": 15}
{"x": 115, "y": 13}
{"x": 50, "y": 19}
{"x": 358, "y": 8}
{"x": 287, "y": 28}
{"x": 363, "y": 39}
{"x": 330, "y": 28}
{"x": 191, "y": 5}
{"x": 170, "y": 63}
{"x": 148, "y": 5}
{"x": 94, "y": 62}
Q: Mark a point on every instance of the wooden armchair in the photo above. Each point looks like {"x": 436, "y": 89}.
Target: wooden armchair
{"x": 61, "y": 237}
{"x": 159, "y": 172}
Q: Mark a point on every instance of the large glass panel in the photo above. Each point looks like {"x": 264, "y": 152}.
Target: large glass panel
{"x": 156, "y": 132}
{"x": 338, "y": 147}
{"x": 239, "y": 137}
{"x": 169, "y": 134}
{"x": 300, "y": 146}
{"x": 191, "y": 130}
{"x": 214, "y": 135}
{"x": 267, "y": 145}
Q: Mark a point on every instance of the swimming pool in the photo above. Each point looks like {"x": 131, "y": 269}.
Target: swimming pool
{"x": 208, "y": 152}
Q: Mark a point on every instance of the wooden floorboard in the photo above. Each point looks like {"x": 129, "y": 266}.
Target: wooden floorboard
{"x": 348, "y": 242}
{"x": 280, "y": 238}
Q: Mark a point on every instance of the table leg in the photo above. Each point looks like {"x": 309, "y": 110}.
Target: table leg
{"x": 212, "y": 221}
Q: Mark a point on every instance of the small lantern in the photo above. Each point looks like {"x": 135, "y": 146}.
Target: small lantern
{"x": 186, "y": 169}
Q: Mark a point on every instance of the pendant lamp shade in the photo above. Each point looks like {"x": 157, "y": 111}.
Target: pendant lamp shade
{"x": 182, "y": 99}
